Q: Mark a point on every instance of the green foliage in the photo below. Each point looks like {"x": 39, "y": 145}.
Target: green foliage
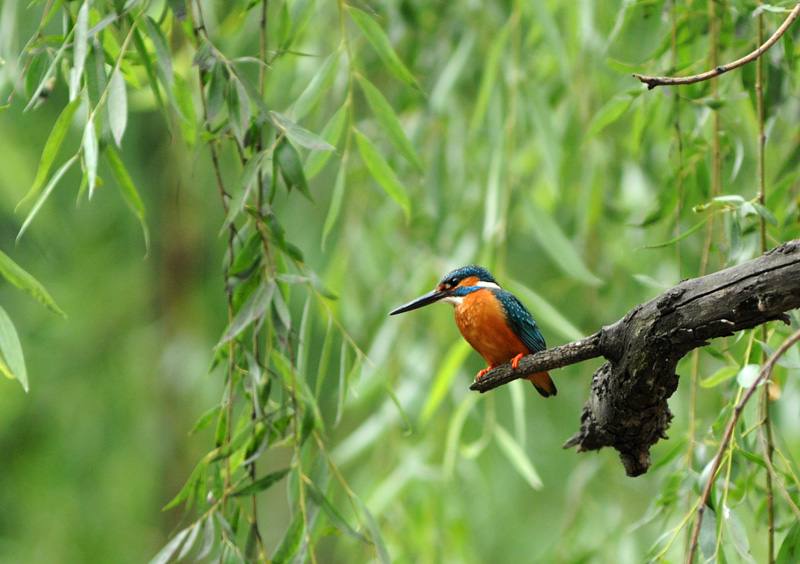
{"x": 507, "y": 134}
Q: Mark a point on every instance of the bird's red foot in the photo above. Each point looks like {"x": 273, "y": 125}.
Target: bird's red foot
{"x": 482, "y": 372}
{"x": 515, "y": 361}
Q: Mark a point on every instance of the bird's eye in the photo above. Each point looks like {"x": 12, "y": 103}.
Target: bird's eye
{"x": 452, "y": 283}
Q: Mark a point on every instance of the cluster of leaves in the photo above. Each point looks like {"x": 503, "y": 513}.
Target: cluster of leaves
{"x": 270, "y": 403}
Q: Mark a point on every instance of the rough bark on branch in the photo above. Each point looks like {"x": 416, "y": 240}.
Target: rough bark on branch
{"x": 627, "y": 408}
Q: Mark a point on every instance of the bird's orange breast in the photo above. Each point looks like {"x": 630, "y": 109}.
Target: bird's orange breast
{"x": 482, "y": 321}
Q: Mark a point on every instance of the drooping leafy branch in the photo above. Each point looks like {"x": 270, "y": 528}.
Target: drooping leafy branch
{"x": 270, "y": 400}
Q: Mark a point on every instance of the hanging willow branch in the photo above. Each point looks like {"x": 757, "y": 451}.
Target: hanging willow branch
{"x": 653, "y": 81}
{"x": 627, "y": 408}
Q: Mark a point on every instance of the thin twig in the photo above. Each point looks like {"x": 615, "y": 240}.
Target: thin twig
{"x": 765, "y": 429}
{"x": 653, "y": 81}
{"x": 765, "y": 373}
{"x": 198, "y": 24}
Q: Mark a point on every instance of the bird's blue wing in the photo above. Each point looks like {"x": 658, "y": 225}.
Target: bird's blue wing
{"x": 521, "y": 321}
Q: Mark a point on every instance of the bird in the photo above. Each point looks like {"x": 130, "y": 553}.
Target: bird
{"x": 492, "y": 320}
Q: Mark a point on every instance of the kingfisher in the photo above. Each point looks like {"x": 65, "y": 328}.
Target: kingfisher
{"x": 492, "y": 320}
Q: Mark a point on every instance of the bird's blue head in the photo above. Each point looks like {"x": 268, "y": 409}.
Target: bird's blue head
{"x": 453, "y": 287}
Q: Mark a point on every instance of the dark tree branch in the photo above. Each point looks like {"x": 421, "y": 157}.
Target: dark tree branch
{"x": 653, "y": 81}
{"x": 627, "y": 408}
{"x": 550, "y": 359}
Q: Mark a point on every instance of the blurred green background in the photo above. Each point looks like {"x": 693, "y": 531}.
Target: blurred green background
{"x": 542, "y": 160}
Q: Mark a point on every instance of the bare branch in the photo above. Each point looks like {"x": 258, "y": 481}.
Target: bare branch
{"x": 653, "y": 81}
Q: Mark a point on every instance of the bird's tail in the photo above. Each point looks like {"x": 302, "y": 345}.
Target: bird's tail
{"x": 543, "y": 384}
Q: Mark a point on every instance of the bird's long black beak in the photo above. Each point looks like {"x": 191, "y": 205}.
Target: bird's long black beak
{"x": 429, "y": 298}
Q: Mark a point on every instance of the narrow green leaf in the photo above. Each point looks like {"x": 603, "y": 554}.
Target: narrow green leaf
{"x": 789, "y": 552}
{"x": 48, "y": 79}
{"x": 51, "y": 148}
{"x": 244, "y": 186}
{"x": 752, "y": 457}
{"x": 290, "y": 543}
{"x": 489, "y": 73}
{"x": 331, "y": 132}
{"x": 222, "y": 428}
{"x": 262, "y": 483}
{"x": 90, "y": 154}
{"x": 144, "y": 59}
{"x": 383, "y": 173}
{"x": 208, "y": 540}
{"x": 389, "y": 123}
{"x": 117, "y": 107}
{"x": 708, "y": 533}
{"x": 206, "y": 419}
{"x": 343, "y": 381}
{"x": 324, "y": 357}
{"x": 188, "y": 117}
{"x": 187, "y": 546}
{"x": 784, "y": 360}
{"x": 165, "y": 554}
{"x": 254, "y": 308}
{"x": 309, "y": 420}
{"x": 238, "y": 110}
{"x": 455, "y": 428}
{"x": 79, "y": 49}
{"x": 293, "y": 279}
{"x": 216, "y": 92}
{"x": 283, "y": 365}
{"x": 608, "y": 114}
{"x": 12, "y": 363}
{"x": 765, "y": 212}
{"x": 35, "y": 73}
{"x": 299, "y": 13}
{"x": 288, "y": 160}
{"x": 282, "y": 309}
{"x": 319, "y": 285}
{"x": 336, "y": 519}
{"x": 45, "y": 194}
{"x": 559, "y": 248}
{"x": 788, "y": 49}
{"x": 336, "y": 204}
{"x": 730, "y": 199}
{"x": 380, "y": 42}
{"x": 735, "y": 244}
{"x": 128, "y": 190}
{"x": 516, "y": 455}
{"x": 442, "y": 381}
{"x": 441, "y": 95}
{"x": 303, "y": 334}
{"x": 677, "y": 449}
{"x": 198, "y": 474}
{"x": 738, "y": 534}
{"x": 375, "y": 534}
{"x": 252, "y": 92}
{"x": 319, "y": 84}
{"x": 163, "y": 55}
{"x": 205, "y": 57}
{"x": 301, "y": 136}
{"x": 284, "y": 25}
{"x": 722, "y": 375}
